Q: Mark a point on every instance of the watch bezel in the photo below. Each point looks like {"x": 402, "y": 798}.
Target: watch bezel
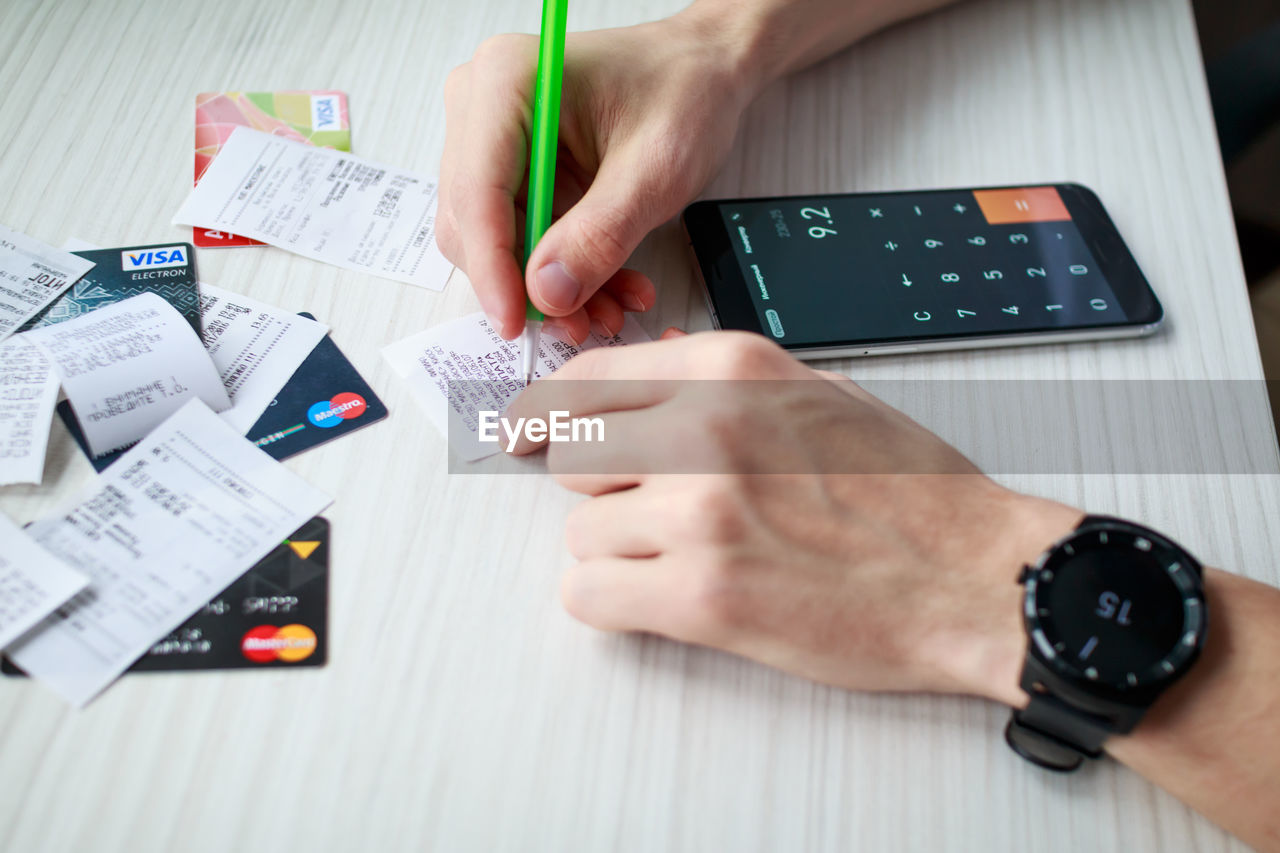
{"x": 1138, "y": 688}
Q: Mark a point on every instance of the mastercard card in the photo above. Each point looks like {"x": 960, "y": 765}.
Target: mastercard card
{"x": 326, "y": 398}
{"x": 276, "y": 616}
{"x": 314, "y": 116}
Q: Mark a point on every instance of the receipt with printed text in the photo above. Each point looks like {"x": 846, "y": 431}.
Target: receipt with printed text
{"x": 33, "y": 582}
{"x": 179, "y": 517}
{"x": 28, "y": 392}
{"x": 127, "y": 366}
{"x": 325, "y": 204}
{"x": 32, "y": 274}
{"x": 255, "y": 347}
{"x": 464, "y": 366}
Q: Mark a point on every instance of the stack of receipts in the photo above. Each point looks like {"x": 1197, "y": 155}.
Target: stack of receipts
{"x": 127, "y": 366}
{"x": 183, "y": 514}
{"x": 321, "y": 203}
{"x": 462, "y": 367}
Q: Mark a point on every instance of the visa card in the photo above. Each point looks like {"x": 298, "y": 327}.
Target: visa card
{"x": 276, "y": 615}
{"x": 324, "y": 399}
{"x": 314, "y": 116}
{"x": 166, "y": 269}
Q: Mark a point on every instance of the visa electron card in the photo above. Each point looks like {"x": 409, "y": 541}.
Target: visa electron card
{"x": 316, "y": 117}
{"x": 167, "y": 270}
{"x": 275, "y": 616}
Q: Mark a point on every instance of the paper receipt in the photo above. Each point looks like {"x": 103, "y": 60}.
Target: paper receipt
{"x": 33, "y": 582}
{"x": 171, "y": 524}
{"x": 255, "y": 347}
{"x": 32, "y": 275}
{"x": 469, "y": 349}
{"x": 28, "y": 392}
{"x": 325, "y": 204}
{"x": 127, "y": 366}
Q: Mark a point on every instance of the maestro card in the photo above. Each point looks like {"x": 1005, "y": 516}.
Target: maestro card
{"x": 324, "y": 399}
{"x": 314, "y": 116}
{"x": 275, "y": 616}
{"x": 165, "y": 269}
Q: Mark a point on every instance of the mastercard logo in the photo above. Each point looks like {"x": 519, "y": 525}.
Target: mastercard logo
{"x": 330, "y": 413}
{"x": 289, "y": 643}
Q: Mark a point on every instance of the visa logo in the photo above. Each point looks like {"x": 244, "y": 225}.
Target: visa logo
{"x": 324, "y": 112}
{"x": 148, "y": 259}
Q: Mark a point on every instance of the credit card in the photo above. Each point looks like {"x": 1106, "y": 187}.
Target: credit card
{"x": 326, "y": 398}
{"x": 317, "y": 117}
{"x": 275, "y": 616}
{"x": 166, "y": 269}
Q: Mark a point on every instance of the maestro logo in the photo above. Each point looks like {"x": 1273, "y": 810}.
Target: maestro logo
{"x": 289, "y": 643}
{"x": 344, "y": 407}
{"x": 150, "y": 259}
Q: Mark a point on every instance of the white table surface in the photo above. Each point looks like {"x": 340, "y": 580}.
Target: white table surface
{"x": 462, "y": 709}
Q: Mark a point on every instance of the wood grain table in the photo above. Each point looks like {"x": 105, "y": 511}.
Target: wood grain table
{"x": 462, "y": 709}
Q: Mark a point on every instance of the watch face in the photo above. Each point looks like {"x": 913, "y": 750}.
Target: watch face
{"x": 1116, "y": 608}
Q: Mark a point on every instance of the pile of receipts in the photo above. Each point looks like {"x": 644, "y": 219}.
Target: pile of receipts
{"x": 191, "y": 506}
{"x": 184, "y": 397}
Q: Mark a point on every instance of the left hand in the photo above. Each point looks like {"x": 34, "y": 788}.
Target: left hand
{"x": 799, "y": 522}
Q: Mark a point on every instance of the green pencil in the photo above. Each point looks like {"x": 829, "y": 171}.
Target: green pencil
{"x": 542, "y": 158}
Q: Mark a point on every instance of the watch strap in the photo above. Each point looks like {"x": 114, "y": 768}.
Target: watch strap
{"x": 1055, "y": 735}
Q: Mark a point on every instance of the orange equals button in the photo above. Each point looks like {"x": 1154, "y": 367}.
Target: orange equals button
{"x": 1021, "y": 204}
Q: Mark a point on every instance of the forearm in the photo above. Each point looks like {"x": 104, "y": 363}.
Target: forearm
{"x": 1213, "y": 740}
{"x": 767, "y": 39}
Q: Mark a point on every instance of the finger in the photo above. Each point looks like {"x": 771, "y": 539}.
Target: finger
{"x": 586, "y": 396}
{"x": 620, "y": 594}
{"x": 456, "y": 97}
{"x": 633, "y": 290}
{"x": 575, "y": 327}
{"x": 622, "y": 524}
{"x": 672, "y": 332}
{"x": 605, "y": 313}
{"x": 591, "y": 242}
{"x": 615, "y": 448}
{"x": 487, "y": 171}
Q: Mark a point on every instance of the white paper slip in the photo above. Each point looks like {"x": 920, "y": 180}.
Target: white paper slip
{"x": 469, "y": 349}
{"x": 127, "y": 366}
{"x": 33, "y": 582}
{"x": 255, "y": 347}
{"x": 28, "y": 392}
{"x": 32, "y": 274}
{"x": 166, "y": 528}
{"x": 325, "y": 204}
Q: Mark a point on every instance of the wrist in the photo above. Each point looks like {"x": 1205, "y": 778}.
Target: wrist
{"x": 761, "y": 41}
{"x": 980, "y": 651}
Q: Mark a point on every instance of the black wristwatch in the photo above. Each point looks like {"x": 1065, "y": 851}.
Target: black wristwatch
{"x": 1115, "y": 613}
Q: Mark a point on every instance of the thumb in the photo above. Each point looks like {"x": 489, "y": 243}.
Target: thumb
{"x": 591, "y": 242}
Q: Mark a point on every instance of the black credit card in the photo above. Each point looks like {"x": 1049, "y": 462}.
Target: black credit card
{"x": 325, "y": 398}
{"x": 168, "y": 270}
{"x": 276, "y": 615}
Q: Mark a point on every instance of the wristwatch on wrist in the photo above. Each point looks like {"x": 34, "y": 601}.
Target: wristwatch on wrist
{"x": 1115, "y": 613}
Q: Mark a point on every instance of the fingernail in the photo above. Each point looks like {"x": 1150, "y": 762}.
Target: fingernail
{"x": 601, "y": 329}
{"x": 631, "y": 302}
{"x": 558, "y": 289}
{"x": 497, "y": 326}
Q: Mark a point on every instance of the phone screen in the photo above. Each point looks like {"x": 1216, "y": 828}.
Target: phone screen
{"x": 828, "y": 270}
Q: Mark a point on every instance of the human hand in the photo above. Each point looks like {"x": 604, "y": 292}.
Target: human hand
{"x": 648, "y": 113}
{"x": 833, "y": 537}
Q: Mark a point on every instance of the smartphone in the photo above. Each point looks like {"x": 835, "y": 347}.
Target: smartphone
{"x": 878, "y": 273}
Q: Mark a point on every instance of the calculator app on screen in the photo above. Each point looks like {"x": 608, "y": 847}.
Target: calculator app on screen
{"x": 923, "y": 264}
